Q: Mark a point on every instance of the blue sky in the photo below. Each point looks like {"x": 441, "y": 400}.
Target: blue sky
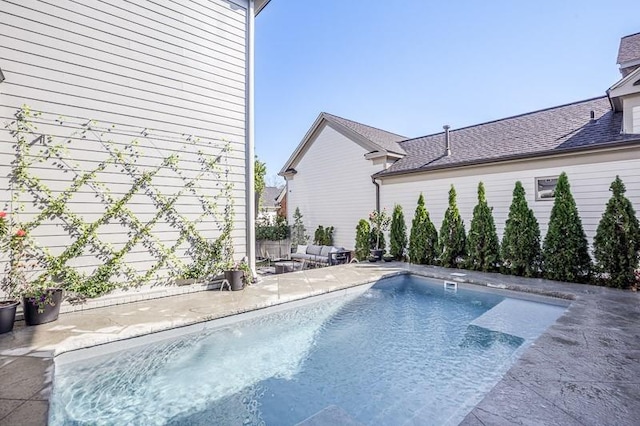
{"x": 409, "y": 67}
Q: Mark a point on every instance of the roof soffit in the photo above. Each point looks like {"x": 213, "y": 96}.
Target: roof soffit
{"x": 623, "y": 87}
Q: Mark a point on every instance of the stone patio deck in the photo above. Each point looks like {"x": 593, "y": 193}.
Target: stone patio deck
{"x": 585, "y": 369}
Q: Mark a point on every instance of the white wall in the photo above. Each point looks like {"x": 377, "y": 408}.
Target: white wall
{"x": 589, "y": 176}
{"x": 172, "y": 68}
{"x": 332, "y": 186}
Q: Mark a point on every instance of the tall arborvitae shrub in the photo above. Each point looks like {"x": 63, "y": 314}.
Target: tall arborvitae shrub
{"x": 565, "y": 253}
{"x": 398, "y": 233}
{"x": 483, "y": 248}
{"x": 423, "y": 240}
{"x": 452, "y": 235}
{"x": 362, "y": 240}
{"x": 617, "y": 240}
{"x": 520, "y": 248}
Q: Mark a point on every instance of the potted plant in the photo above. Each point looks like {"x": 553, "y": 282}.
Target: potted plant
{"x": 388, "y": 257}
{"x": 238, "y": 274}
{"x": 41, "y": 298}
{"x": 7, "y": 306}
{"x": 380, "y": 222}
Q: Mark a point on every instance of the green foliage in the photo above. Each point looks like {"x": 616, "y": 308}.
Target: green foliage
{"x": 279, "y": 230}
{"x": 376, "y": 240}
{"x": 323, "y": 236}
{"x": 423, "y": 240}
{"x": 260, "y": 170}
{"x": 113, "y": 270}
{"x": 398, "y": 233}
{"x": 483, "y": 248}
{"x": 452, "y": 235}
{"x": 617, "y": 240}
{"x": 520, "y": 249}
{"x": 380, "y": 222}
{"x": 565, "y": 253}
{"x": 363, "y": 245}
{"x": 298, "y": 236}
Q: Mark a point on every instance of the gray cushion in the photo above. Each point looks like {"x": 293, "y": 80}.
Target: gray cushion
{"x": 325, "y": 250}
{"x": 312, "y": 249}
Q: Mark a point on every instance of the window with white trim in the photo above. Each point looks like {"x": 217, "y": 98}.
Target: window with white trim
{"x": 545, "y": 188}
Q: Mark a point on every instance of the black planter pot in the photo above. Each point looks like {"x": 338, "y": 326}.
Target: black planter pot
{"x": 7, "y": 315}
{"x": 376, "y": 253}
{"x": 388, "y": 258}
{"x": 235, "y": 279}
{"x": 49, "y": 313}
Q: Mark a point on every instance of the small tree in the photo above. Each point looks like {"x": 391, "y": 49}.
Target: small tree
{"x": 323, "y": 236}
{"x": 617, "y": 240}
{"x": 380, "y": 221}
{"x": 363, "y": 232}
{"x": 318, "y": 236}
{"x": 298, "y": 236}
{"x": 452, "y": 234}
{"x": 483, "y": 247}
{"x": 423, "y": 240}
{"x": 398, "y": 233}
{"x": 565, "y": 253}
{"x": 260, "y": 170}
{"x": 520, "y": 249}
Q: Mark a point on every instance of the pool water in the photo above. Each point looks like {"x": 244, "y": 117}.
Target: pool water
{"x": 403, "y": 352}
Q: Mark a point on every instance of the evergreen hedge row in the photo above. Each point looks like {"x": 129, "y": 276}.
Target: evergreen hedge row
{"x": 565, "y": 252}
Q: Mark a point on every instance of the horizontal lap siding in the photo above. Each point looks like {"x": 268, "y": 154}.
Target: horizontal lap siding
{"x": 159, "y": 71}
{"x": 332, "y": 186}
{"x": 589, "y": 176}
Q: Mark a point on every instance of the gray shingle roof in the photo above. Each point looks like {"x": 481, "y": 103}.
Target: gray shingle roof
{"x": 269, "y": 195}
{"x": 385, "y": 140}
{"x": 541, "y": 132}
{"x": 629, "y": 48}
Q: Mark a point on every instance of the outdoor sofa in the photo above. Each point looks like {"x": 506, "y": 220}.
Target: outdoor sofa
{"x": 319, "y": 255}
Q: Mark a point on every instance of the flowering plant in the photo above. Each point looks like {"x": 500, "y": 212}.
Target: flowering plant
{"x": 380, "y": 221}
{"x": 22, "y": 267}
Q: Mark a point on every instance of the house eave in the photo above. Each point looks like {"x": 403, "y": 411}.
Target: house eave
{"x": 260, "y": 4}
{"x": 635, "y": 142}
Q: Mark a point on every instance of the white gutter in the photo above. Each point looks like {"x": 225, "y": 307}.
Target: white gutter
{"x": 249, "y": 146}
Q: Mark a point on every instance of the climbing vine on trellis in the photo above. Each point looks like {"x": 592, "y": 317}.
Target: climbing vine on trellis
{"x": 203, "y": 257}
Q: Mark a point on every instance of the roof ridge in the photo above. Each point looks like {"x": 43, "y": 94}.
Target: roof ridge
{"x": 507, "y": 118}
{"x": 630, "y": 35}
{"x": 363, "y": 124}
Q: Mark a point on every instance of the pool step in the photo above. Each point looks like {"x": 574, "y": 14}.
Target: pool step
{"x": 331, "y": 415}
{"x": 520, "y": 318}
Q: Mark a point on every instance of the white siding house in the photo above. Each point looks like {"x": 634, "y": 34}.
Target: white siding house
{"x": 592, "y": 141}
{"x": 175, "y": 77}
{"x": 329, "y": 176}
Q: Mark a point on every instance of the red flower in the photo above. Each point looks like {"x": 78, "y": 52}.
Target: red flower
{"x": 21, "y": 233}
{"x": 3, "y": 215}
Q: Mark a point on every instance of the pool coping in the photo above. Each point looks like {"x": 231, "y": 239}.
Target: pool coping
{"x": 584, "y": 369}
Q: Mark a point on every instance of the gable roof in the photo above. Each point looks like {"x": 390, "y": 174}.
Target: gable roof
{"x": 386, "y": 140}
{"x": 629, "y": 50}
{"x": 372, "y": 138}
{"x": 552, "y": 130}
{"x": 270, "y": 195}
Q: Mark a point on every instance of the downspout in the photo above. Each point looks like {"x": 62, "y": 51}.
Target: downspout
{"x": 373, "y": 180}
{"x": 249, "y": 147}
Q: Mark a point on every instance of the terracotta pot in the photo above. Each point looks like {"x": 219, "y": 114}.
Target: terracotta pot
{"x": 7, "y": 315}
{"x": 49, "y": 313}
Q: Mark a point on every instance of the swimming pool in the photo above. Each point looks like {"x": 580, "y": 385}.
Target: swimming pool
{"x": 405, "y": 351}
